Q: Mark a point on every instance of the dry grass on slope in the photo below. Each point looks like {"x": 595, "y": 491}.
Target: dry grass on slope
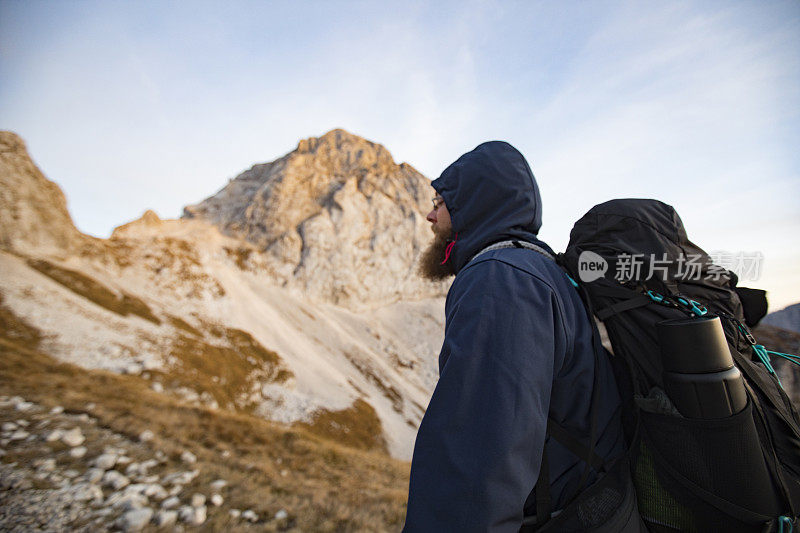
{"x": 230, "y": 372}
{"x": 94, "y": 291}
{"x": 357, "y": 427}
{"x": 323, "y": 486}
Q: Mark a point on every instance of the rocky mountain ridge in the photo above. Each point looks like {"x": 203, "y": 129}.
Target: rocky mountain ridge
{"x": 337, "y": 217}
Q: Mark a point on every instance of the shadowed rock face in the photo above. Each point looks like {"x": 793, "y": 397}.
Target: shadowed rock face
{"x": 337, "y": 217}
{"x": 33, "y": 210}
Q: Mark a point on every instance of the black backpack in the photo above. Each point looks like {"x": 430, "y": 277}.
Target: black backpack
{"x": 740, "y": 473}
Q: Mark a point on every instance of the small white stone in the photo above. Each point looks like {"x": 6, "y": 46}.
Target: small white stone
{"x": 46, "y": 465}
{"x": 216, "y": 500}
{"x": 133, "y": 369}
{"x": 188, "y": 457}
{"x": 23, "y": 406}
{"x": 90, "y": 406}
{"x": 9, "y": 427}
{"x": 71, "y": 474}
{"x": 105, "y": 461}
{"x": 192, "y": 515}
{"x": 135, "y": 520}
{"x": 23, "y": 423}
{"x": 200, "y": 515}
{"x": 219, "y": 484}
{"x": 235, "y": 513}
{"x": 180, "y": 478}
{"x": 83, "y": 492}
{"x": 195, "y": 516}
{"x": 157, "y": 387}
{"x": 19, "y": 434}
{"x": 281, "y": 515}
{"x": 136, "y": 488}
{"x": 166, "y": 518}
{"x": 150, "y": 463}
{"x": 115, "y": 480}
{"x": 54, "y": 435}
{"x": 93, "y": 475}
{"x": 250, "y": 516}
{"x": 155, "y": 491}
{"x": 124, "y": 460}
{"x": 128, "y": 502}
{"x": 57, "y": 410}
{"x": 146, "y": 436}
{"x": 198, "y": 500}
{"x": 78, "y": 452}
{"x": 73, "y": 437}
{"x": 170, "y": 503}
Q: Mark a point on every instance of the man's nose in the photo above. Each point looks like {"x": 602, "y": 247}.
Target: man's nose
{"x": 431, "y": 216}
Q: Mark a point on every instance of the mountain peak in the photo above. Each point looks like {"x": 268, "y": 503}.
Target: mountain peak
{"x": 33, "y": 209}
{"x": 11, "y": 143}
{"x": 147, "y": 221}
{"x": 337, "y": 216}
{"x": 344, "y": 143}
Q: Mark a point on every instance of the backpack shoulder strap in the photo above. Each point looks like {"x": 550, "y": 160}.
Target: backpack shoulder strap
{"x": 564, "y": 437}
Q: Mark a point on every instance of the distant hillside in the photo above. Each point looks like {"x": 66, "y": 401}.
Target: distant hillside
{"x": 787, "y": 318}
{"x": 783, "y": 340}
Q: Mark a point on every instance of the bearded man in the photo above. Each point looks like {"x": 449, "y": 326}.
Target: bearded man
{"x": 525, "y": 413}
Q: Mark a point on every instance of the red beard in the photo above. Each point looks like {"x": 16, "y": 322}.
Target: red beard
{"x": 430, "y": 262}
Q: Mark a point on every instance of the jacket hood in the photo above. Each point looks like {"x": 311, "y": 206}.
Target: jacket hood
{"x": 491, "y": 195}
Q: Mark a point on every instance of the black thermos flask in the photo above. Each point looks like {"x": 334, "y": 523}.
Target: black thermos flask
{"x": 699, "y": 375}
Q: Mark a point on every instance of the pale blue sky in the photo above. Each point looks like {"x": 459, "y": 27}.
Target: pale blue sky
{"x": 137, "y": 105}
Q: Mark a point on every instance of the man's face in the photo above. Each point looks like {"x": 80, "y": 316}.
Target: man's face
{"x": 432, "y": 265}
{"x": 439, "y": 217}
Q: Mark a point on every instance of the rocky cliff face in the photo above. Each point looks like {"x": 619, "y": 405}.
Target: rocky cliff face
{"x": 337, "y": 217}
{"x": 33, "y": 210}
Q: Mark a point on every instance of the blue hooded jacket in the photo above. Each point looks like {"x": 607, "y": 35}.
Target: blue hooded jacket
{"x": 517, "y": 348}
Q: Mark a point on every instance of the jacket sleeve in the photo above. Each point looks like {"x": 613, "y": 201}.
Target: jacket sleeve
{"x": 479, "y": 445}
